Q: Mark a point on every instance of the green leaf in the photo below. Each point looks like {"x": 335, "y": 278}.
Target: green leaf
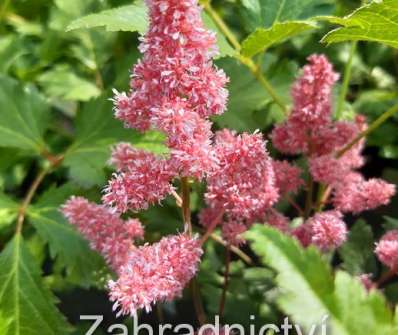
{"x": 61, "y": 82}
{"x": 263, "y": 39}
{"x": 357, "y": 252}
{"x": 264, "y": 13}
{"x": 8, "y": 210}
{"x": 24, "y": 301}
{"x": 23, "y": 116}
{"x": 125, "y": 18}
{"x": 309, "y": 292}
{"x": 376, "y": 22}
{"x": 82, "y": 264}
{"x": 248, "y": 99}
{"x": 11, "y": 48}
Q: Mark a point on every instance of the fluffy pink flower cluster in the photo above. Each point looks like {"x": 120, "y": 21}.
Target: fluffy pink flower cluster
{"x": 155, "y": 273}
{"x": 387, "y": 250}
{"x": 326, "y": 230}
{"x": 107, "y": 233}
{"x": 175, "y": 87}
{"x": 310, "y": 130}
{"x": 143, "y": 179}
{"x": 243, "y": 185}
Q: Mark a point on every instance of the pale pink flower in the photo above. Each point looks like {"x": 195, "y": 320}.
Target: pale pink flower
{"x": 387, "y": 249}
{"x": 354, "y": 194}
{"x": 144, "y": 179}
{"x": 208, "y": 215}
{"x": 244, "y": 182}
{"x": 287, "y": 177}
{"x": 328, "y": 230}
{"x": 311, "y": 109}
{"x": 107, "y": 232}
{"x": 312, "y": 93}
{"x": 155, "y": 273}
{"x": 277, "y": 220}
{"x": 177, "y": 63}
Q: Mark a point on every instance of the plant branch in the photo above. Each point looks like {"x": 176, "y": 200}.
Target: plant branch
{"x": 253, "y": 67}
{"x": 186, "y": 206}
{"x": 212, "y": 226}
{"x": 376, "y": 124}
{"x": 234, "y": 249}
{"x": 223, "y": 298}
{"x": 346, "y": 81}
{"x": 28, "y": 198}
{"x": 197, "y": 302}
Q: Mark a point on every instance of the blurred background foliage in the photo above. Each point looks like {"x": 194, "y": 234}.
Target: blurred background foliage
{"x": 56, "y": 116}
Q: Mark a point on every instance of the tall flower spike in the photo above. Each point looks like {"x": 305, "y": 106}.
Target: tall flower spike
{"x": 144, "y": 179}
{"x": 311, "y": 108}
{"x": 387, "y": 250}
{"x": 244, "y": 182}
{"x": 106, "y": 232}
{"x": 155, "y": 273}
{"x": 287, "y": 177}
{"x": 176, "y": 64}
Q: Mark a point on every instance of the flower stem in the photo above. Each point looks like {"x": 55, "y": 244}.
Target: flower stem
{"x": 346, "y": 81}
{"x": 254, "y": 68}
{"x": 386, "y": 277}
{"x": 186, "y": 206}
{"x": 244, "y": 257}
{"x": 28, "y": 198}
{"x": 376, "y": 124}
{"x": 197, "y": 302}
{"x": 212, "y": 226}
{"x": 223, "y": 298}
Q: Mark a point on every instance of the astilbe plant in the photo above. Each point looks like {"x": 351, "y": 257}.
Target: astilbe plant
{"x": 175, "y": 88}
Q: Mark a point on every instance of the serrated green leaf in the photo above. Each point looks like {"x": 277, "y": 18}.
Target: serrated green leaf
{"x": 262, "y": 39}
{"x": 96, "y": 131}
{"x": 24, "y": 301}
{"x": 23, "y": 116}
{"x": 61, "y": 82}
{"x": 82, "y": 264}
{"x": 309, "y": 292}
{"x": 357, "y": 252}
{"x": 272, "y": 11}
{"x": 376, "y": 22}
{"x": 125, "y": 18}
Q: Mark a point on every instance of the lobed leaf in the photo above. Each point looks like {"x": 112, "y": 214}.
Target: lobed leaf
{"x": 375, "y": 22}
{"x": 25, "y": 303}
{"x": 309, "y": 291}
{"x": 262, "y": 39}
{"x": 23, "y": 116}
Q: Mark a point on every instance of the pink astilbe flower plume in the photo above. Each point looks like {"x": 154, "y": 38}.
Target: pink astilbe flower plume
{"x": 277, "y": 220}
{"x": 355, "y": 194}
{"x": 175, "y": 87}
{"x": 155, "y": 273}
{"x": 311, "y": 107}
{"x": 328, "y": 230}
{"x": 106, "y": 232}
{"x": 143, "y": 179}
{"x": 244, "y": 182}
{"x": 387, "y": 250}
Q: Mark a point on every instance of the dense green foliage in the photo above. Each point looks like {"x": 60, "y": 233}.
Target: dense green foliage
{"x": 57, "y": 127}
